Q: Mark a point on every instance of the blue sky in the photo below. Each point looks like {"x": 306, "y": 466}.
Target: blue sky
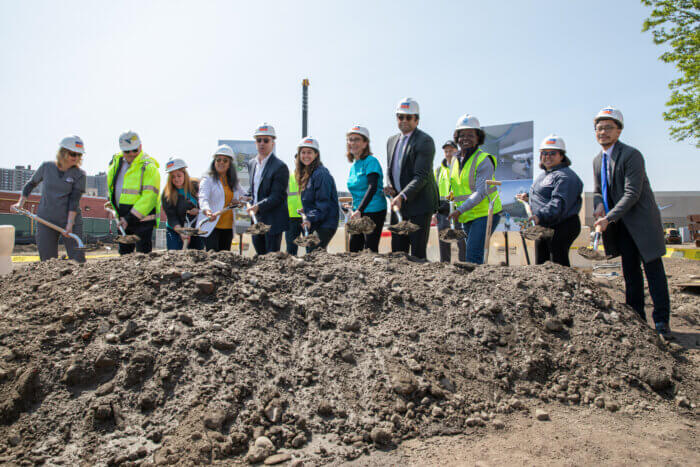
{"x": 185, "y": 74}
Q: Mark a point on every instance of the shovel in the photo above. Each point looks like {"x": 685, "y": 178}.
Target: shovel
{"x": 452, "y": 235}
{"x": 124, "y": 239}
{"x": 535, "y": 232}
{"x": 489, "y": 221}
{"x": 402, "y": 227}
{"x": 591, "y": 252}
{"x": 81, "y": 245}
{"x": 258, "y": 228}
{"x": 307, "y": 240}
{"x": 363, "y": 225}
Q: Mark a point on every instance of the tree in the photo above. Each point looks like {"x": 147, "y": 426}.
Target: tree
{"x": 683, "y": 38}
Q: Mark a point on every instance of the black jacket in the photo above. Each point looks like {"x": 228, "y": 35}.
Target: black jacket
{"x": 177, "y": 213}
{"x": 272, "y": 195}
{"x": 417, "y": 176}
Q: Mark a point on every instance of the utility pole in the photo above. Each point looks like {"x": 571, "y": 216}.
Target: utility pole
{"x": 304, "y": 107}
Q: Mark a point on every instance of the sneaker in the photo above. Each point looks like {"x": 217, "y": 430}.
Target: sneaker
{"x": 664, "y": 330}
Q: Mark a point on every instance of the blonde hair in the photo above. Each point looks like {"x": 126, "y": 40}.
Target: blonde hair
{"x": 170, "y": 191}
{"x": 62, "y": 155}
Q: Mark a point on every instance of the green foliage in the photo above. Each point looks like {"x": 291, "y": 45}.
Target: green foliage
{"x": 676, "y": 23}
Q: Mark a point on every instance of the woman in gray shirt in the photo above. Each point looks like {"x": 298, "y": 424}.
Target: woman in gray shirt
{"x": 64, "y": 185}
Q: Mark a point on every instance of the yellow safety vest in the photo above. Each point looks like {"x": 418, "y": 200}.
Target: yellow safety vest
{"x": 293, "y": 196}
{"x": 140, "y": 187}
{"x": 442, "y": 174}
{"x": 464, "y": 184}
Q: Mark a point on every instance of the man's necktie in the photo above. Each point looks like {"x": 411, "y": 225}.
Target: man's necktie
{"x": 604, "y": 182}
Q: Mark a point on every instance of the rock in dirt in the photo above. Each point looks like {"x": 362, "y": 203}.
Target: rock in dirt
{"x": 541, "y": 415}
{"x": 278, "y": 458}
{"x": 381, "y": 436}
{"x": 553, "y": 325}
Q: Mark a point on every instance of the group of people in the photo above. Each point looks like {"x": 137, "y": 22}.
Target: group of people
{"x": 306, "y": 199}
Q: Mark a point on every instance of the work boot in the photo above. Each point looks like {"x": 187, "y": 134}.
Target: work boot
{"x": 664, "y": 330}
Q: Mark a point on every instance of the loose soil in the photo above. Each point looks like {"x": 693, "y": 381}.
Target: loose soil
{"x": 452, "y": 235}
{"x": 258, "y": 229}
{"x": 190, "y": 357}
{"x": 403, "y": 228}
{"x": 363, "y": 225}
{"x": 537, "y": 232}
{"x": 308, "y": 240}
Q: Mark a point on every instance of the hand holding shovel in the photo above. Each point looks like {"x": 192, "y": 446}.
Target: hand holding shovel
{"x": 534, "y": 231}
{"x": 452, "y": 235}
{"x": 123, "y": 238}
{"x": 592, "y": 252}
{"x": 402, "y": 227}
{"x": 258, "y": 228}
{"x": 24, "y": 212}
{"x": 307, "y": 240}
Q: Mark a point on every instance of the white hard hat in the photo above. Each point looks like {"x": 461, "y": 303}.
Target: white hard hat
{"x": 467, "y": 122}
{"x": 308, "y": 142}
{"x": 129, "y": 141}
{"x": 73, "y": 143}
{"x": 174, "y": 164}
{"x": 265, "y": 130}
{"x": 224, "y": 150}
{"x": 553, "y": 142}
{"x": 407, "y": 106}
{"x": 611, "y": 113}
{"x": 359, "y": 130}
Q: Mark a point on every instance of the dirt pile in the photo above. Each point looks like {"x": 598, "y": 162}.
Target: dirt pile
{"x": 192, "y": 357}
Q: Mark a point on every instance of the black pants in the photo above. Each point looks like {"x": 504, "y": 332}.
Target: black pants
{"x": 634, "y": 282}
{"x": 291, "y": 234}
{"x": 145, "y": 243}
{"x": 220, "y": 240}
{"x": 369, "y": 241}
{"x": 557, "y": 248}
{"x": 268, "y": 243}
{"x": 325, "y": 235}
{"x": 417, "y": 241}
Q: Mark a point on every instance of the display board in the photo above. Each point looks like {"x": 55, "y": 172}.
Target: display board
{"x": 512, "y": 145}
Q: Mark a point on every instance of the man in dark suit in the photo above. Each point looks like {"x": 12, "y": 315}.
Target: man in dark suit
{"x": 629, "y": 217}
{"x": 410, "y": 180}
{"x": 269, "y": 178}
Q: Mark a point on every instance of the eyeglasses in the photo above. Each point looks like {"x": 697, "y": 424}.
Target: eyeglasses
{"x": 549, "y": 153}
{"x": 601, "y": 129}
{"x": 403, "y": 117}
{"x": 133, "y": 151}
{"x": 222, "y": 160}
{"x": 263, "y": 140}
{"x": 354, "y": 140}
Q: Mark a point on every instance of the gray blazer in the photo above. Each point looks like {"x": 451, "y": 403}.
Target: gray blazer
{"x": 633, "y": 203}
{"x": 417, "y": 176}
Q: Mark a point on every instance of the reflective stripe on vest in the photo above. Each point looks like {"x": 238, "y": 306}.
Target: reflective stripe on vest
{"x": 442, "y": 174}
{"x": 293, "y": 198}
{"x": 463, "y": 184}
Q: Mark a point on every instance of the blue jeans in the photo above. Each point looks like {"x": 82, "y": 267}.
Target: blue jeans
{"x": 476, "y": 235}
{"x": 174, "y": 242}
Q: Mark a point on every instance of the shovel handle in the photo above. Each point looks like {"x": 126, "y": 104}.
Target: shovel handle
{"x": 252, "y": 215}
{"x": 303, "y": 220}
{"x": 598, "y": 230}
{"x": 493, "y": 182}
{"x": 50, "y": 225}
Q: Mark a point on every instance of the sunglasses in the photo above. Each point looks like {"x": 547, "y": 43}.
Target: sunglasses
{"x": 74, "y": 154}
{"x": 263, "y": 140}
{"x": 403, "y": 117}
{"x": 133, "y": 151}
{"x": 354, "y": 140}
{"x": 222, "y": 160}
{"x": 549, "y": 153}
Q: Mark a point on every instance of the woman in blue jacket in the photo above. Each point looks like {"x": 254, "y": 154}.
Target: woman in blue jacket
{"x": 318, "y": 194}
{"x": 555, "y": 198}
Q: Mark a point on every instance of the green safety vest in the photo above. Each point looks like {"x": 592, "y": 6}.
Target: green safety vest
{"x": 464, "y": 184}
{"x": 442, "y": 175}
{"x": 293, "y": 196}
{"x": 141, "y": 185}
